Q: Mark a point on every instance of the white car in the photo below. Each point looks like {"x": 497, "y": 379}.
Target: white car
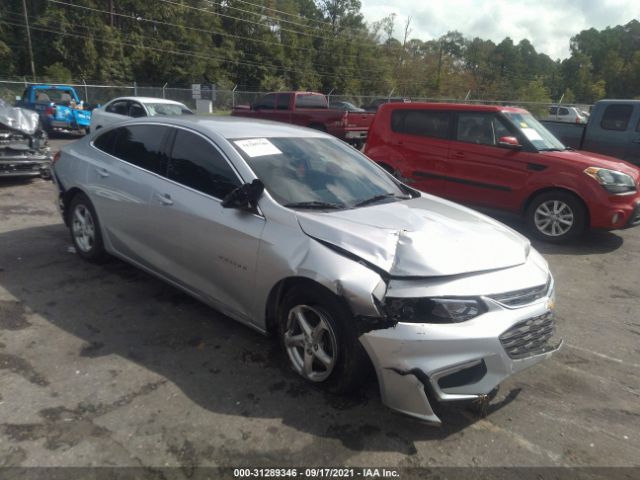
{"x": 567, "y": 114}
{"x": 124, "y": 108}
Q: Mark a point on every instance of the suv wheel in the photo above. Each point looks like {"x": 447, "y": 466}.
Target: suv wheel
{"x": 556, "y": 217}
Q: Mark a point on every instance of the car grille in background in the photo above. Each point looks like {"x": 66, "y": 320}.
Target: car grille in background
{"x": 528, "y": 337}
{"x": 518, "y": 298}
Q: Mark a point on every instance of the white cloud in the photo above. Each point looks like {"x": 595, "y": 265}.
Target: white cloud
{"x": 547, "y": 24}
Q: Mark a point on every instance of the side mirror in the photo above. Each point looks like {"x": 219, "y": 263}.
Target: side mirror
{"x": 245, "y": 197}
{"x": 509, "y": 142}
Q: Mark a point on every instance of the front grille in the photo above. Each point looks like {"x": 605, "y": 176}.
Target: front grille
{"x": 519, "y": 298}
{"x": 528, "y": 337}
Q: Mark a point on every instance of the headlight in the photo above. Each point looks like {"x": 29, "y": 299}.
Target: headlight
{"x": 434, "y": 310}
{"x": 611, "y": 180}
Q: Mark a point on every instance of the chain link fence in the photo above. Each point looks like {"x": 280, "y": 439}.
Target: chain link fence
{"x": 223, "y": 101}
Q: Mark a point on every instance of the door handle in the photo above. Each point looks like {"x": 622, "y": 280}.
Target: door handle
{"x": 102, "y": 172}
{"x": 457, "y": 154}
{"x": 164, "y": 198}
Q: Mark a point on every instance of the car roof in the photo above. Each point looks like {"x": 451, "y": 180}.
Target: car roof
{"x": 232, "y": 127}
{"x": 148, "y": 100}
{"x": 450, "y": 106}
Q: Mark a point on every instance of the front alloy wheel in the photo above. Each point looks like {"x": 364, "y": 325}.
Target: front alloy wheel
{"x": 310, "y": 343}
{"x": 556, "y": 216}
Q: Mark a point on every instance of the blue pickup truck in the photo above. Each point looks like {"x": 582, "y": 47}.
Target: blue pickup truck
{"x": 59, "y": 107}
{"x": 613, "y": 129}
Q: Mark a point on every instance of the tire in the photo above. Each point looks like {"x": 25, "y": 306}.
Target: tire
{"x": 556, "y": 217}
{"x": 338, "y": 363}
{"x": 85, "y": 230}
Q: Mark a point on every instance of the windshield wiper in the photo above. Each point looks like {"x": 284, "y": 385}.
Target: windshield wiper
{"x": 383, "y": 196}
{"x": 315, "y": 204}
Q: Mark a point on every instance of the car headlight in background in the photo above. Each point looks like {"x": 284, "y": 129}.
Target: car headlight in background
{"x": 611, "y": 180}
{"x": 434, "y": 310}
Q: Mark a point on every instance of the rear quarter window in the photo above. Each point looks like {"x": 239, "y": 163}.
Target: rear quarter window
{"x": 106, "y": 141}
{"x": 616, "y": 117}
{"x": 310, "y": 101}
{"x": 423, "y": 123}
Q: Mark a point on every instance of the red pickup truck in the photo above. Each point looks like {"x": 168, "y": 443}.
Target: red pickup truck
{"x": 503, "y": 158}
{"x": 309, "y": 109}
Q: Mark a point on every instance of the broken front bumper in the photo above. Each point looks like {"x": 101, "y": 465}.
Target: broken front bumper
{"x": 419, "y": 365}
{"x": 20, "y": 166}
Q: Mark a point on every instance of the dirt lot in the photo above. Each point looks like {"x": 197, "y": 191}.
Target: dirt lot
{"x": 104, "y": 365}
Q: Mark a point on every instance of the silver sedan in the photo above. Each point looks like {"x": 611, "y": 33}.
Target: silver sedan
{"x": 291, "y": 231}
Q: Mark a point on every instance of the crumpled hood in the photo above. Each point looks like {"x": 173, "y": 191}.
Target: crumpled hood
{"x": 426, "y": 236}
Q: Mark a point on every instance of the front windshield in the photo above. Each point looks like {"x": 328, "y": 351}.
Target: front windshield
{"x": 541, "y": 138}
{"x": 166, "y": 109}
{"x": 317, "y": 173}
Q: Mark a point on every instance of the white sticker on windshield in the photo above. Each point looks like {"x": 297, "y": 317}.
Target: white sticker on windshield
{"x": 257, "y": 147}
{"x": 531, "y": 134}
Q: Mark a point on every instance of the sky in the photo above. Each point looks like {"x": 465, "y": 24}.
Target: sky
{"x": 548, "y": 24}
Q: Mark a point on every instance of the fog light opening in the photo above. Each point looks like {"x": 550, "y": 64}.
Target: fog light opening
{"x": 617, "y": 217}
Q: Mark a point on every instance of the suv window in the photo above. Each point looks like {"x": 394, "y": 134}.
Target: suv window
{"x": 424, "y": 123}
{"x": 121, "y": 107}
{"x": 616, "y": 117}
{"x": 141, "y": 145}
{"x": 311, "y": 101}
{"x": 553, "y": 110}
{"x": 480, "y": 128}
{"x": 105, "y": 142}
{"x": 267, "y": 102}
{"x": 284, "y": 99}
{"x": 195, "y": 163}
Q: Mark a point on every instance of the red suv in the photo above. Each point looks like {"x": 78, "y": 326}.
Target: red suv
{"x": 503, "y": 158}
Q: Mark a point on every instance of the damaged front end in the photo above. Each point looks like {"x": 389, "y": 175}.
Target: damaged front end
{"x": 460, "y": 347}
{"x": 24, "y": 150}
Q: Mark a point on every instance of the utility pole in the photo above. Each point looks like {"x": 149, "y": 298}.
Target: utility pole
{"x": 26, "y": 23}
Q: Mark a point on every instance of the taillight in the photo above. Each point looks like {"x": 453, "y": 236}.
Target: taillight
{"x": 50, "y": 110}
{"x": 577, "y": 119}
{"x": 344, "y": 120}
{"x": 56, "y": 157}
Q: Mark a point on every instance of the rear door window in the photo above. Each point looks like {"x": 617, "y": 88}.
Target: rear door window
{"x": 197, "y": 164}
{"x": 616, "y": 117}
{"x": 423, "y": 123}
{"x": 136, "y": 110}
{"x": 141, "y": 145}
{"x": 564, "y": 111}
{"x": 284, "y": 99}
{"x": 311, "y": 101}
{"x": 106, "y": 141}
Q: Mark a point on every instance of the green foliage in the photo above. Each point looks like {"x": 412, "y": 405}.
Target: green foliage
{"x": 305, "y": 44}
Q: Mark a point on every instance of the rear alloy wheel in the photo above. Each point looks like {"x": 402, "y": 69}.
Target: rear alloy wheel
{"x": 318, "y": 334}
{"x": 556, "y": 217}
{"x": 85, "y": 229}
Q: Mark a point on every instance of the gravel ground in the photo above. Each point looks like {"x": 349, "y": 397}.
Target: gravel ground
{"x": 107, "y": 366}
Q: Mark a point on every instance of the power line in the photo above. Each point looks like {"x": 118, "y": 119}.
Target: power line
{"x": 203, "y": 30}
{"x": 182, "y": 52}
{"x": 322, "y": 22}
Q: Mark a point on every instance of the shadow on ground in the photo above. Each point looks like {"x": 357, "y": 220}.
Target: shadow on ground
{"x": 219, "y": 364}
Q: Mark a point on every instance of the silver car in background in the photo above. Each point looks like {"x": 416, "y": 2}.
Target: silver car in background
{"x": 292, "y": 232}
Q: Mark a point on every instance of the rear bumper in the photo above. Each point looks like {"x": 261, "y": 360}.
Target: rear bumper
{"x": 356, "y": 134}
{"x": 422, "y": 365}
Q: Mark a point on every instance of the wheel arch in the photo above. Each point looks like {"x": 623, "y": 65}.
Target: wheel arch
{"x": 281, "y": 288}
{"x": 66, "y": 198}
